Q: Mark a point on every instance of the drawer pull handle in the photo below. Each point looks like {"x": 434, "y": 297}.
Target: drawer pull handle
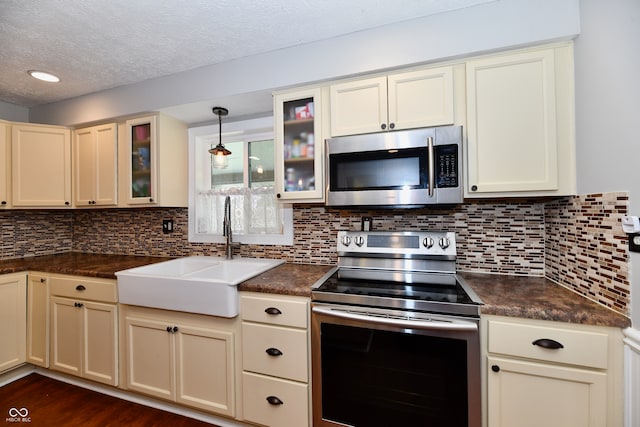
{"x": 81, "y": 288}
{"x": 548, "y": 344}
{"x": 272, "y": 310}
{"x": 273, "y": 352}
{"x": 274, "y": 400}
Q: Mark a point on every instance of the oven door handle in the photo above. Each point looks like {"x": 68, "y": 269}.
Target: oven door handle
{"x": 433, "y": 325}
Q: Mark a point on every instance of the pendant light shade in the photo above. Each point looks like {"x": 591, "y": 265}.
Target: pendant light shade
{"x": 220, "y": 152}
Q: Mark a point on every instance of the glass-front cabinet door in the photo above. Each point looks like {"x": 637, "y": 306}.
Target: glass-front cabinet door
{"x": 299, "y": 146}
{"x": 142, "y": 170}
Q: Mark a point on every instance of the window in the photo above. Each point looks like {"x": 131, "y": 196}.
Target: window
{"x": 248, "y": 179}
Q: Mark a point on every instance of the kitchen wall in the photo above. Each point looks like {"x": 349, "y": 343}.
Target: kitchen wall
{"x": 575, "y": 241}
{"x": 13, "y": 113}
{"x": 607, "y": 64}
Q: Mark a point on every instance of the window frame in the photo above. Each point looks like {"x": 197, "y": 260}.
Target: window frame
{"x": 256, "y": 129}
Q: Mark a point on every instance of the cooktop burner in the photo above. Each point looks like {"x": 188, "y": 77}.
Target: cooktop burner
{"x": 400, "y": 270}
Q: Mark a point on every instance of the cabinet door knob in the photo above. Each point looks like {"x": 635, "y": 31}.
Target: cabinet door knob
{"x": 67, "y": 203}
{"x": 78, "y": 304}
{"x": 495, "y": 368}
{"x": 548, "y": 344}
{"x": 474, "y": 188}
{"x": 273, "y": 400}
{"x": 81, "y": 288}
{"x": 383, "y": 126}
{"x": 392, "y": 125}
{"x": 175, "y": 329}
{"x": 278, "y": 195}
{"x": 273, "y": 311}
{"x": 4, "y": 202}
{"x": 273, "y": 352}
{"x": 42, "y": 280}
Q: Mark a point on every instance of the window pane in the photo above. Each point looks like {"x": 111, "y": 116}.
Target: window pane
{"x": 231, "y": 176}
{"x": 261, "y": 160}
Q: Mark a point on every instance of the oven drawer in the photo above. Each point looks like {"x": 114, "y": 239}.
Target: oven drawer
{"x": 274, "y": 311}
{"x": 274, "y": 402}
{"x": 578, "y": 347}
{"x": 276, "y": 351}
{"x": 83, "y": 288}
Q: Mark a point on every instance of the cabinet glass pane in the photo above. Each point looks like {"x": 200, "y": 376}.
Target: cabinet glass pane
{"x": 299, "y": 145}
{"x": 141, "y": 160}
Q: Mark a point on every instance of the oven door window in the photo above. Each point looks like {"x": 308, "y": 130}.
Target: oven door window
{"x": 379, "y": 170}
{"x": 374, "y": 377}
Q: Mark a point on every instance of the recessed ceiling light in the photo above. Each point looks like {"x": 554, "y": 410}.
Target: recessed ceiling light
{"x": 46, "y": 77}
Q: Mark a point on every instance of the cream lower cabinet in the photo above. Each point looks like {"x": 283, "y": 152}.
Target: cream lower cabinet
{"x": 13, "y": 307}
{"x": 552, "y": 374}
{"x": 275, "y": 359}
{"x": 84, "y": 333}
{"x": 180, "y": 357}
{"x": 38, "y": 319}
{"x": 520, "y": 124}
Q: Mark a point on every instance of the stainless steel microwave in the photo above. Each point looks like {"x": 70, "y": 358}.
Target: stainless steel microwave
{"x": 409, "y": 168}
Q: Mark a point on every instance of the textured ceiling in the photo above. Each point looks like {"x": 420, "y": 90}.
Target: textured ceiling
{"x": 93, "y": 45}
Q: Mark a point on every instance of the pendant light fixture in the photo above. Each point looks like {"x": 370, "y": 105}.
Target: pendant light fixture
{"x": 220, "y": 152}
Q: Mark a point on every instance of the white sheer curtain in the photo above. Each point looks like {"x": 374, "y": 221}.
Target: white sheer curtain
{"x": 253, "y": 211}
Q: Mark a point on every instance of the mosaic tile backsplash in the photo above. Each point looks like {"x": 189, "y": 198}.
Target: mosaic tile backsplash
{"x": 575, "y": 241}
{"x": 586, "y": 249}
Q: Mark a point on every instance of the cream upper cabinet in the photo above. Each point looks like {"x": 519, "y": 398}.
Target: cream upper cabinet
{"x": 13, "y": 311}
{"x": 38, "y": 319}
{"x": 181, "y": 357}
{"x": 41, "y": 165}
{"x": 152, "y": 163}
{"x": 84, "y": 332}
{"x": 299, "y": 145}
{"x": 541, "y": 373}
{"x": 5, "y": 163}
{"x": 406, "y": 100}
{"x": 520, "y": 124}
{"x": 95, "y": 165}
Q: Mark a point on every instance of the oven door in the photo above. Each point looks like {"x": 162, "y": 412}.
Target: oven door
{"x": 379, "y": 367}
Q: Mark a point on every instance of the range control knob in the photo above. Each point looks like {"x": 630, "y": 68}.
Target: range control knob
{"x": 346, "y": 240}
{"x": 427, "y": 242}
{"x": 358, "y": 240}
{"x": 444, "y": 242}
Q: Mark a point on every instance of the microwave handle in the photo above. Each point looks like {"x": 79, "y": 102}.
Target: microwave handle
{"x": 432, "y": 169}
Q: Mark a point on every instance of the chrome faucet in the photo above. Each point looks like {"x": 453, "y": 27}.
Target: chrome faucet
{"x": 226, "y": 229}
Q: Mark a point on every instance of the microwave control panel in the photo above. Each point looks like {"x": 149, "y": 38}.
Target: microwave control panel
{"x": 446, "y": 164}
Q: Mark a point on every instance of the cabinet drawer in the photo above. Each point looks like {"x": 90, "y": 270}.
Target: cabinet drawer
{"x": 289, "y": 344}
{"x": 581, "y": 348}
{"x": 84, "y": 288}
{"x": 293, "y": 411}
{"x": 274, "y": 311}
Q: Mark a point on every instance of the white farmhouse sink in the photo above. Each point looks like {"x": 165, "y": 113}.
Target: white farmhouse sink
{"x": 196, "y": 284}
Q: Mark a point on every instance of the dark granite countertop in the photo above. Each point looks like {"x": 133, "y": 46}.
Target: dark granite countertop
{"x": 288, "y": 279}
{"x": 539, "y": 298}
{"x": 79, "y": 264}
{"x": 513, "y": 296}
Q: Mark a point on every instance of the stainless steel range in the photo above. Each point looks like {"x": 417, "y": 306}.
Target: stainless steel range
{"x": 395, "y": 334}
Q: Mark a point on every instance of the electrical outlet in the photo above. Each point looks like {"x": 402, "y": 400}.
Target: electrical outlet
{"x": 167, "y": 226}
{"x": 634, "y": 242}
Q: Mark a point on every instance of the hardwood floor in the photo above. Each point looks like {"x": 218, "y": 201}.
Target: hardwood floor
{"x": 51, "y": 403}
